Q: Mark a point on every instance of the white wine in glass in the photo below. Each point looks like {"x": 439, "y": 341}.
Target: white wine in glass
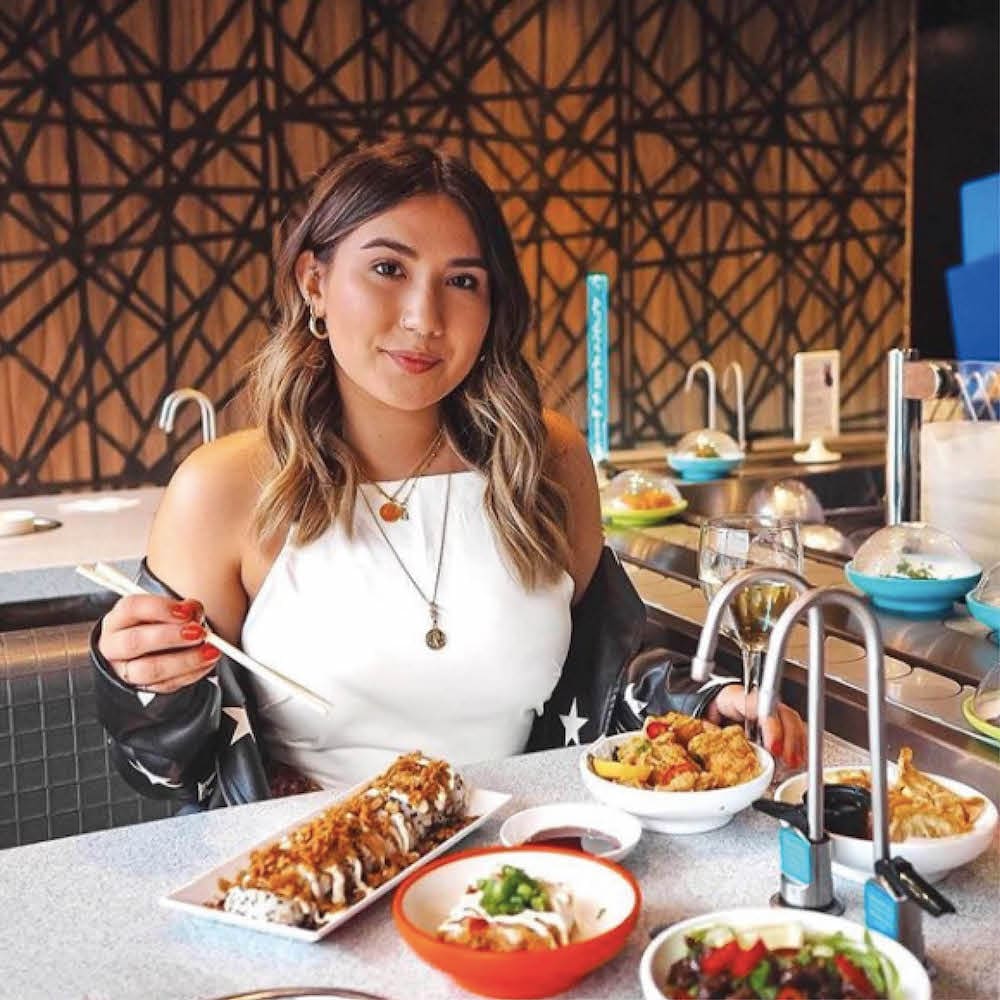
{"x": 733, "y": 543}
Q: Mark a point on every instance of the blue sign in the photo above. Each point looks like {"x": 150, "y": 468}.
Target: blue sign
{"x": 597, "y": 366}
{"x": 796, "y": 862}
{"x": 881, "y": 909}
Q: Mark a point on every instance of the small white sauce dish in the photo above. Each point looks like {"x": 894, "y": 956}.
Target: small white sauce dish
{"x": 574, "y": 820}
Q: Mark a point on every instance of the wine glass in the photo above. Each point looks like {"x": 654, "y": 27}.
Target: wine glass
{"x": 735, "y": 542}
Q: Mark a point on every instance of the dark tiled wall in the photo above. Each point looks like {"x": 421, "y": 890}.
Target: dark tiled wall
{"x": 56, "y": 778}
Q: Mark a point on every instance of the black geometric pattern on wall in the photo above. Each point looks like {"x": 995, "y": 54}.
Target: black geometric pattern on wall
{"x": 739, "y": 169}
{"x": 771, "y": 210}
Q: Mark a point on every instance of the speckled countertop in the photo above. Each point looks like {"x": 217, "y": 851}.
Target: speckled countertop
{"x": 113, "y": 527}
{"x": 81, "y": 918}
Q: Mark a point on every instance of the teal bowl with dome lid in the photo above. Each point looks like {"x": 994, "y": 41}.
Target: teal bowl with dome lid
{"x": 988, "y": 614}
{"x": 914, "y": 570}
{"x": 984, "y": 601}
{"x": 704, "y": 454}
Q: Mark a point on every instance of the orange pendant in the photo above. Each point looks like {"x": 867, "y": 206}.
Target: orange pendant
{"x": 391, "y": 511}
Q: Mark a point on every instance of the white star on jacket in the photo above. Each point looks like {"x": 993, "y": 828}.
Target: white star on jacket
{"x": 154, "y": 779}
{"x": 204, "y": 787}
{"x": 572, "y": 724}
{"x": 239, "y": 716}
{"x": 633, "y": 703}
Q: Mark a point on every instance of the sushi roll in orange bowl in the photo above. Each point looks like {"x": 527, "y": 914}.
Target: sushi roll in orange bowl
{"x": 517, "y": 922}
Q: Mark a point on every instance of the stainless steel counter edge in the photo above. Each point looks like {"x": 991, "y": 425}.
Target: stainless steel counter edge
{"x": 965, "y": 656}
{"x": 936, "y": 729}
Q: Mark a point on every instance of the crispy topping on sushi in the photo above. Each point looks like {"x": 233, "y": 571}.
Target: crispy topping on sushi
{"x": 352, "y": 848}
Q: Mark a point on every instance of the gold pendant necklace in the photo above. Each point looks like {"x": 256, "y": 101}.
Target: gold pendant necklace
{"x": 435, "y": 636}
{"x": 391, "y": 511}
{"x": 394, "y": 509}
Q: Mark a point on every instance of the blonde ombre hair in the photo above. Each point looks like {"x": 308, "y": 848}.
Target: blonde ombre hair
{"x": 493, "y": 419}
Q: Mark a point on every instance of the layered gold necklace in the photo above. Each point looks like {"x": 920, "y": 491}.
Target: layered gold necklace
{"x": 435, "y": 637}
{"x": 394, "y": 507}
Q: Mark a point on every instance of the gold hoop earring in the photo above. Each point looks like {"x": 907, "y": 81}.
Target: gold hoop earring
{"x": 316, "y": 324}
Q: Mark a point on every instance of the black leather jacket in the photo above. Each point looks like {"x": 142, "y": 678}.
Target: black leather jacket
{"x": 197, "y": 744}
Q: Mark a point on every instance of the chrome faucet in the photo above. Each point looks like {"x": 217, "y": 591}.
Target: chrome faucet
{"x": 736, "y": 369}
{"x": 899, "y": 885}
{"x": 817, "y": 893}
{"x": 173, "y": 401}
{"x": 813, "y": 602}
{"x": 704, "y": 658}
{"x": 706, "y": 367}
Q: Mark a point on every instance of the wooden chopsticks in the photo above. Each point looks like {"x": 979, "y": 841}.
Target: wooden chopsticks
{"x": 112, "y": 579}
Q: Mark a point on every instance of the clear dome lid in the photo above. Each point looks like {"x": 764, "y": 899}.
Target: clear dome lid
{"x": 638, "y": 490}
{"x": 986, "y": 701}
{"x": 988, "y": 588}
{"x": 915, "y": 551}
{"x": 706, "y": 443}
{"x": 787, "y": 498}
{"x": 826, "y": 538}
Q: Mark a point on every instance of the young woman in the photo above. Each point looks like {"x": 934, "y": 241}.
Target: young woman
{"x": 404, "y": 530}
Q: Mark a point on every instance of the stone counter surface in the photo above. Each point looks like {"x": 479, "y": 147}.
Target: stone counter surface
{"x": 81, "y": 919}
{"x": 111, "y": 527}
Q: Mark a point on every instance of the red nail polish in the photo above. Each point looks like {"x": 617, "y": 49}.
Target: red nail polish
{"x": 777, "y": 748}
{"x": 192, "y": 631}
{"x": 181, "y": 611}
{"x": 209, "y": 653}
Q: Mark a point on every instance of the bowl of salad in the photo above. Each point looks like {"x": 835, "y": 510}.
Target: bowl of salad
{"x": 913, "y": 569}
{"x": 761, "y": 953}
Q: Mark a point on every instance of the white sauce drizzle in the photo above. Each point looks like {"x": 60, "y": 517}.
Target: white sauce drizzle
{"x": 555, "y": 925}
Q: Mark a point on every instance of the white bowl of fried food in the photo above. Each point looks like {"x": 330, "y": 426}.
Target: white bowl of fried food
{"x": 678, "y": 774}
{"x": 935, "y": 823}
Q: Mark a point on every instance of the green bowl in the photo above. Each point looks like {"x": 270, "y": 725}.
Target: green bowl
{"x": 642, "y": 518}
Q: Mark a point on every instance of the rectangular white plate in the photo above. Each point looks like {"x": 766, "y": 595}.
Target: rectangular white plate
{"x": 192, "y": 898}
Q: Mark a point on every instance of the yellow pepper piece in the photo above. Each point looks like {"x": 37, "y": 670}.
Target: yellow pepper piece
{"x": 617, "y": 771}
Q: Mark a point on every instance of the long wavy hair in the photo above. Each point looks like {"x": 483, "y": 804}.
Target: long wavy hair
{"x": 493, "y": 419}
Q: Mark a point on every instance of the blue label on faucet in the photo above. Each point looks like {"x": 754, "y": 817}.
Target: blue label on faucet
{"x": 881, "y": 909}
{"x": 597, "y": 365}
{"x": 796, "y": 858}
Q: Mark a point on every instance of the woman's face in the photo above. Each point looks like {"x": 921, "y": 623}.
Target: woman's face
{"x": 406, "y": 301}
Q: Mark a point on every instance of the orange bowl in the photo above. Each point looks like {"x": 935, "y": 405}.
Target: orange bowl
{"x": 606, "y": 908}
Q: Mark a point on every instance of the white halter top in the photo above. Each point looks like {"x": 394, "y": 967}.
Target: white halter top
{"x": 340, "y": 616}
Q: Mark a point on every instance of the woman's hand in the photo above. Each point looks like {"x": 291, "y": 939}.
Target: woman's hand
{"x": 157, "y": 643}
{"x": 784, "y": 733}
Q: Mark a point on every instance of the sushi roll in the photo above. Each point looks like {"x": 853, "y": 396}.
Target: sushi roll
{"x": 358, "y": 844}
{"x": 261, "y": 904}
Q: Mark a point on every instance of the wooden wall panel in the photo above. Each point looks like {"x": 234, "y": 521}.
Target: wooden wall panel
{"x": 738, "y": 167}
